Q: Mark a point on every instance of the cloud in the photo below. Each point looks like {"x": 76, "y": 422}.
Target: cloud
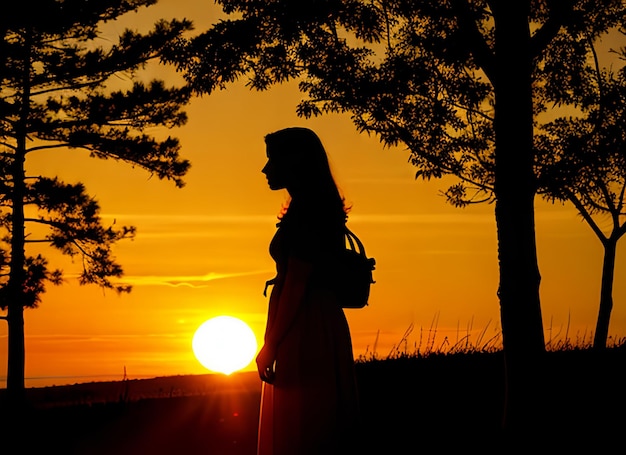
{"x": 192, "y": 281}
{"x": 165, "y": 218}
{"x": 167, "y": 226}
{"x": 426, "y": 218}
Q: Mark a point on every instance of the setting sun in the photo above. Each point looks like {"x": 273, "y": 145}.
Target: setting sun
{"x": 224, "y": 344}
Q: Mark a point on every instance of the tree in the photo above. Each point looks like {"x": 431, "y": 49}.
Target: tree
{"x": 56, "y": 92}
{"x": 584, "y": 163}
{"x": 454, "y": 81}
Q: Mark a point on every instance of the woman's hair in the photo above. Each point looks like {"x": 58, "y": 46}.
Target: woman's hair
{"x": 300, "y": 152}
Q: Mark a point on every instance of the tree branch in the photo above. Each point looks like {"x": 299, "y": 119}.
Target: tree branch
{"x": 586, "y": 215}
{"x": 479, "y": 48}
{"x": 559, "y": 10}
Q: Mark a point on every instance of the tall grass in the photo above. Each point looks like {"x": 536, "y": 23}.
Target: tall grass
{"x": 429, "y": 342}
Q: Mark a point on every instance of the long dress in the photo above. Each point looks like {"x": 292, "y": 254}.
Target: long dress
{"x": 311, "y": 408}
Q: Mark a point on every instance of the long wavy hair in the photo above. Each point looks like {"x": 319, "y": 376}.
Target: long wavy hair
{"x": 312, "y": 189}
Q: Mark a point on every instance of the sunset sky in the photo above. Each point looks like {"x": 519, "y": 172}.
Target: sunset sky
{"x": 202, "y": 251}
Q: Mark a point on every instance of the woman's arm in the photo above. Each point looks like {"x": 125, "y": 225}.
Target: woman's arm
{"x": 292, "y": 295}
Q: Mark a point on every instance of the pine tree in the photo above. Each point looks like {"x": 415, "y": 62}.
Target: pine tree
{"x": 56, "y": 93}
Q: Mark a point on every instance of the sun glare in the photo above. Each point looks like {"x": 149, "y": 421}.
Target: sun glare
{"x": 224, "y": 344}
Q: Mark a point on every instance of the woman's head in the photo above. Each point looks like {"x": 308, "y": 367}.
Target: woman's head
{"x": 298, "y": 162}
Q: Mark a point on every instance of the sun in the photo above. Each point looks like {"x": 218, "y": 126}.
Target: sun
{"x": 224, "y": 344}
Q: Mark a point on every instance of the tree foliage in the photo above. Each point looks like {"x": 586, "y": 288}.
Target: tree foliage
{"x": 418, "y": 74}
{"x": 58, "y": 91}
{"x": 584, "y": 164}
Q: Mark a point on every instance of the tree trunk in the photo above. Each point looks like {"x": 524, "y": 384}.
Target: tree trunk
{"x": 606, "y": 294}
{"x": 15, "y": 317}
{"x": 17, "y": 277}
{"x": 16, "y": 354}
{"x": 520, "y": 310}
{"x": 15, "y": 285}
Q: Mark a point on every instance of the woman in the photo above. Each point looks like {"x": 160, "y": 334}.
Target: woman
{"x": 309, "y": 399}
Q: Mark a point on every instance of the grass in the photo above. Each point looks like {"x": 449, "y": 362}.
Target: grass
{"x": 451, "y": 400}
{"x": 444, "y": 397}
{"x": 430, "y": 343}
{"x": 426, "y": 344}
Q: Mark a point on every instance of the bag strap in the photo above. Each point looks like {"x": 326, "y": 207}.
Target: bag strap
{"x": 355, "y": 242}
{"x": 268, "y": 283}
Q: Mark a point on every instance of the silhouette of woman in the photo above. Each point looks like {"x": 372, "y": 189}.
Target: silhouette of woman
{"x": 309, "y": 403}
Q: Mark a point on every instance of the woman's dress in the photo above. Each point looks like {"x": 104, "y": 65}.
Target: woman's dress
{"x": 311, "y": 408}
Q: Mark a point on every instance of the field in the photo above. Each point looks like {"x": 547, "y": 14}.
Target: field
{"x": 439, "y": 403}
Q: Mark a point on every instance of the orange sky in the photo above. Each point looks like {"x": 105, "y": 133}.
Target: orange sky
{"x": 201, "y": 251}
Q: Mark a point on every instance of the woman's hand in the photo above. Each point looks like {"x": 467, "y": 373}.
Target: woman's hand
{"x": 265, "y": 363}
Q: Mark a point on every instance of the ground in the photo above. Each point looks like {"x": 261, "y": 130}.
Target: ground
{"x": 447, "y": 403}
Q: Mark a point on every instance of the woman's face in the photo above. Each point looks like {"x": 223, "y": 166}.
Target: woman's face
{"x": 276, "y": 173}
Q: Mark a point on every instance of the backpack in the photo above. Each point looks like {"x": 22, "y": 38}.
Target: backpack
{"x": 353, "y": 273}
{"x": 350, "y": 275}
